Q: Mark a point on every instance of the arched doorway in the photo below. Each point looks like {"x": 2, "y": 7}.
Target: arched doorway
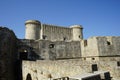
{"x": 28, "y": 77}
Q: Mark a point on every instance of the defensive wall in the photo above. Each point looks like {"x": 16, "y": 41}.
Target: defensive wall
{"x": 53, "y": 50}
{"x": 52, "y": 32}
{"x": 36, "y": 30}
{"x": 104, "y": 46}
{"x": 91, "y": 49}
{"x": 47, "y": 69}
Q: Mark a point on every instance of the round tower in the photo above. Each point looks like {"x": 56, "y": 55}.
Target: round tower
{"x": 77, "y": 32}
{"x": 32, "y": 29}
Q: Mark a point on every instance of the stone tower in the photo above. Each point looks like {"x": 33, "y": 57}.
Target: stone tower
{"x": 32, "y": 29}
{"x": 77, "y": 32}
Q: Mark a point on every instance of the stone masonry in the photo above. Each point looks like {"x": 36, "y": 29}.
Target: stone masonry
{"x": 8, "y": 54}
{"x": 55, "y": 52}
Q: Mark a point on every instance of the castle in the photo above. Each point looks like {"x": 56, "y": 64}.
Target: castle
{"x": 35, "y": 30}
{"x": 61, "y": 53}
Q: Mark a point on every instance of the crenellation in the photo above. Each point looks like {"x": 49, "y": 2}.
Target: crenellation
{"x": 32, "y": 22}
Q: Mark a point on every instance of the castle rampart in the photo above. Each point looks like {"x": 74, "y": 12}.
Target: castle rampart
{"x": 44, "y": 70}
{"x": 56, "y": 33}
{"x": 100, "y": 46}
{"x": 55, "y": 50}
{"x": 91, "y": 49}
{"x": 35, "y": 30}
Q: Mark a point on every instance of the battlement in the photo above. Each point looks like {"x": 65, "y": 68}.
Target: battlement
{"x": 76, "y": 26}
{"x": 32, "y": 22}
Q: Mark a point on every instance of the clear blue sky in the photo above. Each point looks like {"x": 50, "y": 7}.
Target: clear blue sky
{"x": 98, "y": 17}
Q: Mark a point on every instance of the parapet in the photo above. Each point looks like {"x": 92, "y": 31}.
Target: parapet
{"x": 77, "y": 26}
{"x": 32, "y": 22}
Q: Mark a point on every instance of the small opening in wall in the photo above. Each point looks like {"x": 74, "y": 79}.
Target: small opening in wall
{"x": 44, "y": 36}
{"x": 85, "y": 43}
{"x": 108, "y": 43}
{"x": 64, "y": 38}
{"x": 94, "y": 67}
{"x": 118, "y": 63}
{"x": 93, "y": 58}
{"x": 51, "y": 45}
{"x": 79, "y": 36}
{"x": 107, "y": 76}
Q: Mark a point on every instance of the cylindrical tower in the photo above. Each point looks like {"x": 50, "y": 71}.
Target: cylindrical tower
{"x": 77, "y": 32}
{"x": 32, "y": 29}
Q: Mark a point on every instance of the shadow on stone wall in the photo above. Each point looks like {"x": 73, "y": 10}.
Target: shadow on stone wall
{"x": 8, "y": 54}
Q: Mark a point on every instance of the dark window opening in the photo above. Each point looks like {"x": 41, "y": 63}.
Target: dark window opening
{"x": 93, "y": 58}
{"x": 28, "y": 77}
{"x": 44, "y": 36}
{"x": 51, "y": 45}
{"x": 64, "y": 38}
{"x": 108, "y": 43}
{"x": 79, "y": 36}
{"x": 94, "y": 67}
{"x": 85, "y": 42}
{"x": 107, "y": 76}
{"x": 118, "y": 63}
{"x": 24, "y": 55}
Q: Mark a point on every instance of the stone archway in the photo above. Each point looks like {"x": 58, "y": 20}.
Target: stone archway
{"x": 28, "y": 77}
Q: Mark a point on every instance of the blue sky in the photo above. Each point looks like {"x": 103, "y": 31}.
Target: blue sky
{"x": 98, "y": 17}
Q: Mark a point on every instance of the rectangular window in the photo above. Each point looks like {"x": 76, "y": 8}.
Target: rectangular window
{"x": 107, "y": 76}
{"x": 94, "y": 67}
{"x": 118, "y": 63}
{"x": 85, "y": 43}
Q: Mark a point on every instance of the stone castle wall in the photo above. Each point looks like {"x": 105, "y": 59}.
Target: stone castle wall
{"x": 44, "y": 70}
{"x": 8, "y": 54}
{"x": 96, "y": 47}
{"x": 35, "y": 30}
{"x": 108, "y": 46}
{"x": 55, "y": 49}
{"x": 57, "y": 33}
{"x": 89, "y": 49}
